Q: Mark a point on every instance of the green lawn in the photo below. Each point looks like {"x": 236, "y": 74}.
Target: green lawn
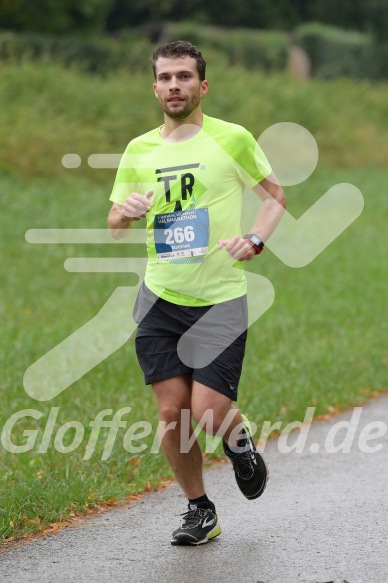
{"x": 322, "y": 343}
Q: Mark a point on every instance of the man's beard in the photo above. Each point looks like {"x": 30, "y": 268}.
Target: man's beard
{"x": 183, "y": 113}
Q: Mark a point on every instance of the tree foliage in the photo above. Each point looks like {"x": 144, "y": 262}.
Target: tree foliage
{"x": 53, "y": 16}
{"x": 72, "y": 16}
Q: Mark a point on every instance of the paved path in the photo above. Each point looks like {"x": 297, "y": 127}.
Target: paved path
{"x": 323, "y": 518}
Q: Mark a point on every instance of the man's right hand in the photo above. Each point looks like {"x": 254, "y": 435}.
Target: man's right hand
{"x": 136, "y": 206}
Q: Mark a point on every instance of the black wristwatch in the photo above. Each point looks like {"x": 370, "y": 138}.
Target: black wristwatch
{"x": 256, "y": 242}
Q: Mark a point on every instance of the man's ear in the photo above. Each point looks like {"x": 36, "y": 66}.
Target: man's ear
{"x": 155, "y": 91}
{"x": 204, "y": 87}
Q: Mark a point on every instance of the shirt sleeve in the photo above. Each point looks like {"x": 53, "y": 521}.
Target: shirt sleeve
{"x": 126, "y": 180}
{"x": 251, "y": 163}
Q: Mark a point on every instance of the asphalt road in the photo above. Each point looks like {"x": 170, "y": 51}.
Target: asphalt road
{"x": 323, "y": 518}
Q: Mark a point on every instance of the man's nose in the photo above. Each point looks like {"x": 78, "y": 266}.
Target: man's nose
{"x": 173, "y": 83}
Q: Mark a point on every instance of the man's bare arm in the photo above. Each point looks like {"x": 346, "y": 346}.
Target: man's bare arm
{"x": 136, "y": 207}
{"x": 272, "y": 209}
{"x": 117, "y": 222}
{"x": 270, "y": 213}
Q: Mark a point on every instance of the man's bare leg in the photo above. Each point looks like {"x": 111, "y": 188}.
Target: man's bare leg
{"x": 206, "y": 401}
{"x": 173, "y": 395}
{"x": 251, "y": 471}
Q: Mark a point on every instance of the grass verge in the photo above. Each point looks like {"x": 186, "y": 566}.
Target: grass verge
{"x": 321, "y": 344}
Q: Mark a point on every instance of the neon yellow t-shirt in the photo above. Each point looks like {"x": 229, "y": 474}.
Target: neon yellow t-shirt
{"x": 198, "y": 186}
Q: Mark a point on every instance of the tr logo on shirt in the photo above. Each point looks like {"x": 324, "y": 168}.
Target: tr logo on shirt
{"x": 187, "y": 179}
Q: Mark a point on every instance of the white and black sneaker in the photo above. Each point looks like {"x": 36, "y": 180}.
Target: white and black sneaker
{"x": 250, "y": 469}
{"x": 199, "y": 525}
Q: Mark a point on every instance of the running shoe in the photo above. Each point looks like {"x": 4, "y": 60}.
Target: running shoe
{"x": 250, "y": 469}
{"x": 199, "y": 525}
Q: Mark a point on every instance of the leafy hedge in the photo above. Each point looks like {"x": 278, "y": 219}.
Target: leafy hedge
{"x": 266, "y": 50}
{"x": 333, "y": 52}
{"x": 338, "y": 53}
{"x": 96, "y": 55}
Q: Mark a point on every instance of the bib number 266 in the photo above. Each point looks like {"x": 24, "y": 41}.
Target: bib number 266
{"x": 179, "y": 235}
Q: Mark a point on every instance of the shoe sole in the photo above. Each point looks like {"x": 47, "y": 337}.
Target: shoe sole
{"x": 210, "y": 535}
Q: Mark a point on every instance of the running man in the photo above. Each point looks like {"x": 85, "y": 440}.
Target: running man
{"x": 187, "y": 178}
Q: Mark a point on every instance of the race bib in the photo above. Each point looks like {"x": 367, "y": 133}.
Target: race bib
{"x": 181, "y": 234}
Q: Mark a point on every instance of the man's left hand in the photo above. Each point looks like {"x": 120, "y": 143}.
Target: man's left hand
{"x": 238, "y": 248}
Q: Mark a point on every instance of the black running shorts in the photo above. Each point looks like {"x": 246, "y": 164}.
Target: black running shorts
{"x": 206, "y": 342}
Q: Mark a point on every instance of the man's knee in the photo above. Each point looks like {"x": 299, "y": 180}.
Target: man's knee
{"x": 170, "y": 413}
{"x": 212, "y": 421}
{"x": 173, "y": 396}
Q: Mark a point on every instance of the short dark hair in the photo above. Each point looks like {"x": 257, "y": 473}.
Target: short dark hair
{"x": 182, "y": 49}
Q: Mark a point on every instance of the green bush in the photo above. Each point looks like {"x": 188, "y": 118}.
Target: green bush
{"x": 95, "y": 55}
{"x": 266, "y": 50}
{"x": 338, "y": 53}
{"x": 48, "y": 111}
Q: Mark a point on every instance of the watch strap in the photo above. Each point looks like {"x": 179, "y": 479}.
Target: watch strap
{"x": 255, "y": 241}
